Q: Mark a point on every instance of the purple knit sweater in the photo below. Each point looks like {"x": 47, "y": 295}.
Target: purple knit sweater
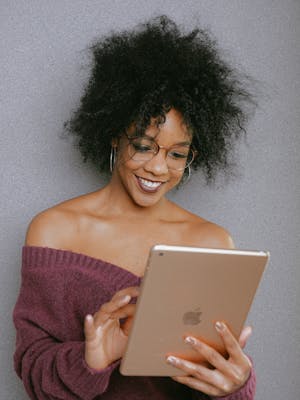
{"x": 59, "y": 288}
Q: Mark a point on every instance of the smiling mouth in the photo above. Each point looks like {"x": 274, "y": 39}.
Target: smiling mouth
{"x": 149, "y": 186}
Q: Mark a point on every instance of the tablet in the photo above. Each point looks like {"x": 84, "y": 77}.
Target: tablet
{"x": 185, "y": 290}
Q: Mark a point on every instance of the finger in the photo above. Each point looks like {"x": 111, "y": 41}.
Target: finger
{"x": 119, "y": 300}
{"x": 208, "y": 353}
{"x": 132, "y": 291}
{"x": 246, "y": 333}
{"x": 231, "y": 344}
{"x": 115, "y": 304}
{"x": 205, "y": 379}
{"x": 239, "y": 365}
{"x": 199, "y": 377}
{"x": 107, "y": 309}
{"x": 124, "y": 312}
{"x": 89, "y": 329}
{"x": 126, "y": 326}
{"x": 210, "y": 376}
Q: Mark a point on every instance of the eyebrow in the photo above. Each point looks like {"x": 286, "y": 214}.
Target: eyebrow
{"x": 134, "y": 135}
{"x": 185, "y": 143}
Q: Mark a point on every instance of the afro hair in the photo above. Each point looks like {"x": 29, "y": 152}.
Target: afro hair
{"x": 142, "y": 73}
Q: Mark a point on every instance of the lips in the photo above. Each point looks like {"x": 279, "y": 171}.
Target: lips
{"x": 149, "y": 186}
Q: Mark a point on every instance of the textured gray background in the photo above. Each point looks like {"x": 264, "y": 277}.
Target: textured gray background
{"x": 43, "y": 69}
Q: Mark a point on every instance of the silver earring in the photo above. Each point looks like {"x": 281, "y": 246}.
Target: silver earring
{"x": 186, "y": 177}
{"x": 112, "y": 158}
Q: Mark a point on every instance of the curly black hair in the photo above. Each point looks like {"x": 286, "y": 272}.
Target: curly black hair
{"x": 141, "y": 74}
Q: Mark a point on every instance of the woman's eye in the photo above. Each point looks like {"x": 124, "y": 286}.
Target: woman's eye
{"x": 141, "y": 148}
{"x": 176, "y": 154}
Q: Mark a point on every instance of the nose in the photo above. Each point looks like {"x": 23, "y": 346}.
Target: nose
{"x": 158, "y": 164}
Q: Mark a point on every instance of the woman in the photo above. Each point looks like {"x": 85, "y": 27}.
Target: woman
{"x": 159, "y": 102}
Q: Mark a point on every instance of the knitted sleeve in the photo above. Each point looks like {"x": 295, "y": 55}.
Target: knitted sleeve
{"x": 49, "y": 358}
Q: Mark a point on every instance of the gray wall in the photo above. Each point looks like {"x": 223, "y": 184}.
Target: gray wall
{"x": 42, "y": 74}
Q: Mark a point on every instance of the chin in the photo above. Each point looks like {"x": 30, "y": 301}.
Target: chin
{"x": 146, "y": 201}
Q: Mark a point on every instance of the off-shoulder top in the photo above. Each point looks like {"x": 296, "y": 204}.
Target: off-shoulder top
{"x": 59, "y": 288}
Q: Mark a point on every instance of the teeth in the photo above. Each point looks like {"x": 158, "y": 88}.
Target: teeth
{"x": 150, "y": 184}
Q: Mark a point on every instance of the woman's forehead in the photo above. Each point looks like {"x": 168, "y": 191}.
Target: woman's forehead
{"x": 172, "y": 126}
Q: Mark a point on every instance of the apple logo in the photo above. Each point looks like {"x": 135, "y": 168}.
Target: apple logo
{"x": 192, "y": 317}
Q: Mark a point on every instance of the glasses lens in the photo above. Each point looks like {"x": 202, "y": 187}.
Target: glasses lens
{"x": 180, "y": 157}
{"x": 142, "y": 148}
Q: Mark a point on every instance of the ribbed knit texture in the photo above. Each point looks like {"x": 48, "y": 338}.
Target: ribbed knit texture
{"x": 59, "y": 288}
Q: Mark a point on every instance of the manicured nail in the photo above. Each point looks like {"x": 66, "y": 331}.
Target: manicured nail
{"x": 126, "y": 299}
{"x": 190, "y": 340}
{"x": 172, "y": 360}
{"x": 220, "y": 327}
{"x": 89, "y": 318}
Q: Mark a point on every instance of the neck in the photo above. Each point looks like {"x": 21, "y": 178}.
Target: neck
{"x": 120, "y": 203}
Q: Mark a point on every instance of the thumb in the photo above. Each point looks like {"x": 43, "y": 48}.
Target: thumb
{"x": 89, "y": 328}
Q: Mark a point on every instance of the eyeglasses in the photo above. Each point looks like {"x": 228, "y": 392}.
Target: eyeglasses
{"x": 143, "y": 149}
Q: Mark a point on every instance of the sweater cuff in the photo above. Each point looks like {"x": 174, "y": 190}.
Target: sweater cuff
{"x": 102, "y": 371}
{"x": 84, "y": 381}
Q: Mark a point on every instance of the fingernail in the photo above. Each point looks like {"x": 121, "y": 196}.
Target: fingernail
{"x": 89, "y": 317}
{"x": 190, "y": 340}
{"x": 220, "y": 327}
{"x": 126, "y": 299}
{"x": 172, "y": 360}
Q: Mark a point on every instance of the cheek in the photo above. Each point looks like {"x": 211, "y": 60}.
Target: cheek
{"x": 175, "y": 178}
{"x": 123, "y": 160}
{"x": 127, "y": 164}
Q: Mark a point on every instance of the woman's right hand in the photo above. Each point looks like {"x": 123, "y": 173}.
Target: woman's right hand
{"x": 105, "y": 337}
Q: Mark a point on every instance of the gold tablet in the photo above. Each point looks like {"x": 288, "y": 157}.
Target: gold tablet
{"x": 185, "y": 290}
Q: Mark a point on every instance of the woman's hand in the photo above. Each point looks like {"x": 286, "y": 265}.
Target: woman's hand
{"x": 105, "y": 338}
{"x": 228, "y": 375}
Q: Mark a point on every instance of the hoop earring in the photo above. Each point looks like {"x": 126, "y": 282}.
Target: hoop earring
{"x": 186, "y": 177}
{"x": 112, "y": 158}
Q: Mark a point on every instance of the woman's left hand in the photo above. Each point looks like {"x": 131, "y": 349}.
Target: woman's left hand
{"x": 229, "y": 374}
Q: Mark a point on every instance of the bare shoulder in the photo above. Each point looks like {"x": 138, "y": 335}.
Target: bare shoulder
{"x": 49, "y": 228}
{"x": 215, "y": 236}
{"x": 56, "y": 226}
{"x": 204, "y": 233}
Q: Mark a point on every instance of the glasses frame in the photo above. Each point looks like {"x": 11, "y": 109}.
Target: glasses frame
{"x": 158, "y": 147}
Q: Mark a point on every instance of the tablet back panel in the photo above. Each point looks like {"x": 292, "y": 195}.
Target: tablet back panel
{"x": 185, "y": 290}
